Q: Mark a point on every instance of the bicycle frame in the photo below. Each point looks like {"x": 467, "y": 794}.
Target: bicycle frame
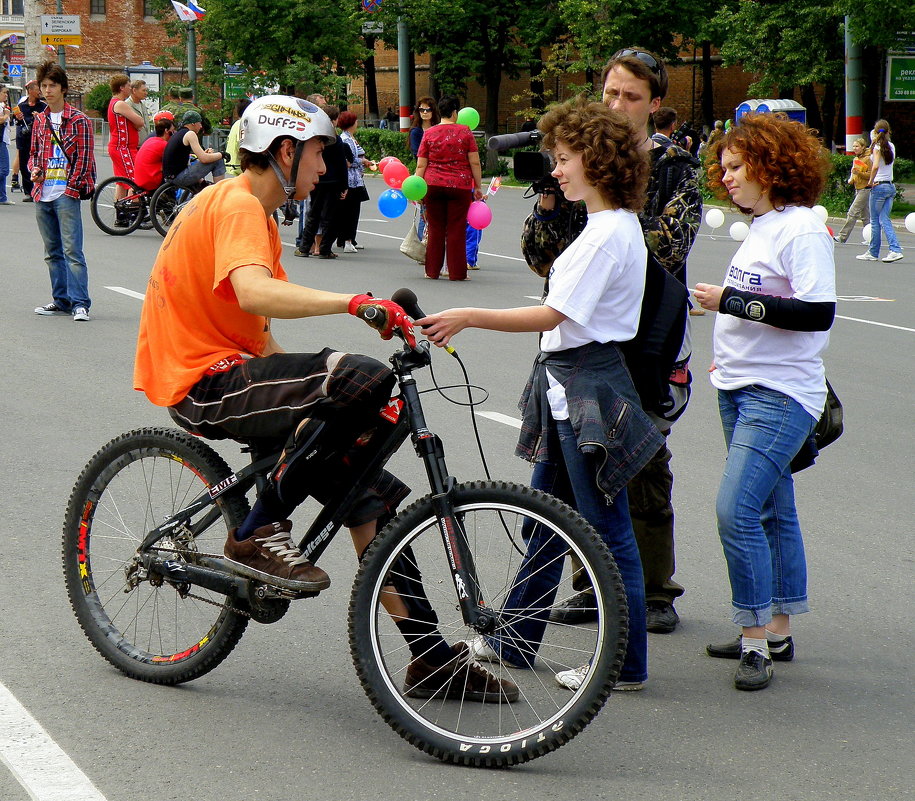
{"x": 404, "y": 417}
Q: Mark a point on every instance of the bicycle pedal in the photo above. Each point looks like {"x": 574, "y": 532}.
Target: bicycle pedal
{"x": 267, "y": 592}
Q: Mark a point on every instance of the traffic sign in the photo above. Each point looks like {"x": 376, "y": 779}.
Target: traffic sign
{"x": 60, "y": 24}
{"x": 15, "y": 70}
{"x": 61, "y": 40}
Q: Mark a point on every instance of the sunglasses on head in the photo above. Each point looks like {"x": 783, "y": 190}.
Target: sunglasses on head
{"x": 646, "y": 58}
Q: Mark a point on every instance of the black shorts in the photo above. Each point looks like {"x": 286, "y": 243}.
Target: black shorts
{"x": 262, "y": 400}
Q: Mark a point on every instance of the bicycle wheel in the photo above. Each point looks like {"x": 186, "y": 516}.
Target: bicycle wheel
{"x": 143, "y": 625}
{"x": 546, "y": 715}
{"x": 165, "y": 204}
{"x": 118, "y": 217}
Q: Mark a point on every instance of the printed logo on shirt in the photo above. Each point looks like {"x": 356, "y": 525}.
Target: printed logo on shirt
{"x": 56, "y": 167}
{"x": 744, "y": 278}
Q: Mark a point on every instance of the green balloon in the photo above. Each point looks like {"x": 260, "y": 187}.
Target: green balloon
{"x": 414, "y": 188}
{"x": 469, "y": 116}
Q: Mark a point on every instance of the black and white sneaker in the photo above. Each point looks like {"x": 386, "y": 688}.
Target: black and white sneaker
{"x": 779, "y": 651}
{"x": 754, "y": 671}
{"x": 51, "y": 308}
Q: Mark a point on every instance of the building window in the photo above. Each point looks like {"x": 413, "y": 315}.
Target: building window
{"x": 96, "y": 6}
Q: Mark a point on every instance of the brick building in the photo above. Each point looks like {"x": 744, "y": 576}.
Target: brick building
{"x": 115, "y": 34}
{"x": 685, "y": 92}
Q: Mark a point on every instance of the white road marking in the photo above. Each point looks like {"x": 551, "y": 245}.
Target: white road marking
{"x": 500, "y": 418}
{"x": 129, "y": 292}
{"x": 37, "y": 762}
{"x": 872, "y": 322}
{"x": 397, "y": 236}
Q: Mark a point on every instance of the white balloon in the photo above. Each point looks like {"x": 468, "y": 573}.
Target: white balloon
{"x": 866, "y": 234}
{"x": 714, "y": 218}
{"x": 910, "y": 222}
{"x": 821, "y": 212}
{"x": 739, "y": 231}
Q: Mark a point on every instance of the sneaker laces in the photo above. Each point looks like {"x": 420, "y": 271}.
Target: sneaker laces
{"x": 282, "y": 545}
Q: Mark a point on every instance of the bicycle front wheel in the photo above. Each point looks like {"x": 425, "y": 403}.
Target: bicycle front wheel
{"x": 118, "y": 216}
{"x": 165, "y": 204}
{"x": 150, "y": 629}
{"x": 517, "y": 537}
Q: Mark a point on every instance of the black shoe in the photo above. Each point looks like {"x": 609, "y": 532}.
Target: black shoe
{"x": 754, "y": 671}
{"x": 327, "y": 255}
{"x": 661, "y": 617}
{"x": 580, "y": 608}
{"x": 28, "y": 199}
{"x": 780, "y": 652}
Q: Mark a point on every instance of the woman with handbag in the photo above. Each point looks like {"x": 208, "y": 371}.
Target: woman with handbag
{"x": 356, "y": 193}
{"x": 775, "y": 311}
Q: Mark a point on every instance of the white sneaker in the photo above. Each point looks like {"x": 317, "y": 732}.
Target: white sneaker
{"x": 866, "y": 257}
{"x": 572, "y": 679}
{"x": 358, "y": 246}
{"x": 349, "y": 247}
{"x": 81, "y": 315}
{"x": 481, "y": 650}
{"x": 893, "y": 255}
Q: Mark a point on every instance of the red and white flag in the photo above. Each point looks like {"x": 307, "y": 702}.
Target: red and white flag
{"x": 190, "y": 13}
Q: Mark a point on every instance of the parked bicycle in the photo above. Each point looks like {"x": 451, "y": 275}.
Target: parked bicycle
{"x": 145, "y": 574}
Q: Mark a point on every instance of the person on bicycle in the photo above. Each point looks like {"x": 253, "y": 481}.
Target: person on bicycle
{"x": 178, "y": 152}
{"x": 206, "y": 352}
{"x": 148, "y": 162}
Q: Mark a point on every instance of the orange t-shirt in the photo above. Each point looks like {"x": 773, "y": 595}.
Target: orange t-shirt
{"x": 191, "y": 318}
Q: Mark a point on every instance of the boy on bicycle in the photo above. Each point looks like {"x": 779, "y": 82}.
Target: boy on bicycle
{"x": 206, "y": 352}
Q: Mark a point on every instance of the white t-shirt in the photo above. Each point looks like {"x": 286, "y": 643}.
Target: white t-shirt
{"x": 55, "y": 171}
{"x": 787, "y": 254}
{"x": 597, "y": 282}
{"x": 884, "y": 170}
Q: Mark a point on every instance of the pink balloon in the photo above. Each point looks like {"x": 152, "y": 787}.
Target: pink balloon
{"x": 479, "y": 215}
{"x": 385, "y": 161}
{"x": 395, "y": 174}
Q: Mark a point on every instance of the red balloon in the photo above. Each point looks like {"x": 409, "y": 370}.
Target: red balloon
{"x": 395, "y": 174}
{"x": 385, "y": 161}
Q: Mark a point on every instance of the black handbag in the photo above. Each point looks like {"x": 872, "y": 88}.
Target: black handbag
{"x": 828, "y": 429}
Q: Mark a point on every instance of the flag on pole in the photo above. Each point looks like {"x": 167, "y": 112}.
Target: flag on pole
{"x": 190, "y": 13}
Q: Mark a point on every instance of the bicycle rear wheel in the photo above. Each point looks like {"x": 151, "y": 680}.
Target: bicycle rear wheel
{"x": 546, "y": 715}
{"x": 118, "y": 217}
{"x": 148, "y": 628}
{"x": 165, "y": 204}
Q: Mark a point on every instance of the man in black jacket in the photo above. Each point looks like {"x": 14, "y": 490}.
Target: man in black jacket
{"x": 324, "y": 209}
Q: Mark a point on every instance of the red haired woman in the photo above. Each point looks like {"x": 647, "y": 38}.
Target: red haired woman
{"x": 775, "y": 311}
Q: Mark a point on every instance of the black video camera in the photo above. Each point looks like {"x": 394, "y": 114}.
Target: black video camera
{"x": 531, "y": 166}
{"x": 686, "y": 137}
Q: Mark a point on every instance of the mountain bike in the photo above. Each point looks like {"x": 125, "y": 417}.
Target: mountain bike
{"x": 145, "y": 574}
{"x": 120, "y": 216}
{"x": 167, "y": 201}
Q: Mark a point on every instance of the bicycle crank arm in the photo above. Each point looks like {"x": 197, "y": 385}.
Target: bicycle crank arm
{"x": 198, "y": 576}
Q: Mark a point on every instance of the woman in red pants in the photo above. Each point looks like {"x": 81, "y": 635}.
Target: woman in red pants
{"x": 450, "y": 164}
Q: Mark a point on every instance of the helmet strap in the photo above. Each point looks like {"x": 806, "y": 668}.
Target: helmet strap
{"x": 288, "y": 186}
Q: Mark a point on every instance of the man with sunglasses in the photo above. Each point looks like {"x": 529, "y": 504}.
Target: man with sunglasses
{"x": 635, "y": 83}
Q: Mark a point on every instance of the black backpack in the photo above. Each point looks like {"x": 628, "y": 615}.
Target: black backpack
{"x": 652, "y": 356}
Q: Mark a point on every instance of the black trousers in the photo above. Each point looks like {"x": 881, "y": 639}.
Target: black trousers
{"x": 323, "y": 215}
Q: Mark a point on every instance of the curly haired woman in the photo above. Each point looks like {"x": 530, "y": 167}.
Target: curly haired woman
{"x": 883, "y": 190}
{"x": 775, "y": 309}
{"x": 580, "y": 388}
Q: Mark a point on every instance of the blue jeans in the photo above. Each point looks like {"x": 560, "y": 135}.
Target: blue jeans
{"x": 574, "y": 482}
{"x": 4, "y": 168}
{"x": 198, "y": 171}
{"x": 757, "y": 518}
{"x": 881, "y": 203}
{"x": 61, "y": 227}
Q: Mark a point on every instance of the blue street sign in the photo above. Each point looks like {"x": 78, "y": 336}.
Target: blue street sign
{"x": 15, "y": 70}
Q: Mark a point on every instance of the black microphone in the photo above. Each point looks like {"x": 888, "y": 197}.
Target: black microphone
{"x": 406, "y": 299}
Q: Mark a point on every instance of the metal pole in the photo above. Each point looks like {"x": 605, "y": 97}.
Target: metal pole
{"x": 192, "y": 60}
{"x": 61, "y": 55}
{"x": 403, "y": 73}
{"x": 854, "y": 107}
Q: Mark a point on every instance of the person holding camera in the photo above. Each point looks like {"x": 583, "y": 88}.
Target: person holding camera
{"x": 61, "y": 166}
{"x": 634, "y": 83}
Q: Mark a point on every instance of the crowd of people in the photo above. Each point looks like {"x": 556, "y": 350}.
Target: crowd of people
{"x": 619, "y": 219}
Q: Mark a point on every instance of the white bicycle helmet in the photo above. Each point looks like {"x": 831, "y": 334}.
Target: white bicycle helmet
{"x": 272, "y": 116}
